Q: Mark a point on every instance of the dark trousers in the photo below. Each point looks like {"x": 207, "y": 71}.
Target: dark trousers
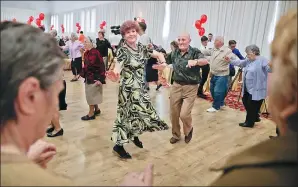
{"x": 76, "y": 66}
{"x": 62, "y": 95}
{"x": 252, "y": 108}
{"x": 204, "y": 77}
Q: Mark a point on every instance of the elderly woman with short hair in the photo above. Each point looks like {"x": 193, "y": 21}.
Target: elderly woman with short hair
{"x": 254, "y": 89}
{"x": 135, "y": 112}
{"x": 94, "y": 74}
{"x": 74, "y": 47}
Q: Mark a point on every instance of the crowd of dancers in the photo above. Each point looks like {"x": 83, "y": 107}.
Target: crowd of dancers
{"x": 28, "y": 101}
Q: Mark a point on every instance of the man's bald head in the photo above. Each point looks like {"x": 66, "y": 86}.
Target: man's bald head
{"x": 184, "y": 41}
{"x": 219, "y": 42}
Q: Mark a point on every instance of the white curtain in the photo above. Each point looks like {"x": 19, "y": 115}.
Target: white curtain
{"x": 22, "y": 15}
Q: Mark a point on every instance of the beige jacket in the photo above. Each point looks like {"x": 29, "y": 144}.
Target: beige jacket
{"x": 18, "y": 170}
{"x": 218, "y": 65}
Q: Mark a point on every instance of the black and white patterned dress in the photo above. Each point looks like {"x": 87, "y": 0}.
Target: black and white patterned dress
{"x": 135, "y": 113}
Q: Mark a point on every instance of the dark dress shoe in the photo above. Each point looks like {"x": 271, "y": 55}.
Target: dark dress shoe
{"x": 258, "y": 119}
{"x": 174, "y": 140}
{"x": 189, "y": 136}
{"x": 120, "y": 152}
{"x": 137, "y": 142}
{"x": 246, "y": 125}
{"x": 97, "y": 112}
{"x": 50, "y": 130}
{"x": 86, "y": 118}
{"x": 59, "y": 133}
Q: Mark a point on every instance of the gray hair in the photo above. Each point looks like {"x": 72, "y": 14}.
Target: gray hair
{"x": 220, "y": 38}
{"x": 92, "y": 41}
{"x": 25, "y": 52}
{"x": 253, "y": 49}
{"x": 74, "y": 35}
{"x": 53, "y": 32}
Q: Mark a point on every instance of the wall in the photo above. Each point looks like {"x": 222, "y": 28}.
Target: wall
{"x": 66, "y": 6}
{"x": 41, "y": 6}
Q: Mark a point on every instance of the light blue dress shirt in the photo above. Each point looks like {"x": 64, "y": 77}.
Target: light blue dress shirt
{"x": 255, "y": 76}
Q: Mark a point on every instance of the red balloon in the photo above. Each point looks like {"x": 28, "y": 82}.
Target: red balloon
{"x": 101, "y": 27}
{"x": 38, "y": 22}
{"x": 78, "y": 31}
{"x": 29, "y": 22}
{"x": 198, "y": 24}
{"x": 77, "y": 24}
{"x": 41, "y": 16}
{"x": 14, "y": 19}
{"x": 203, "y": 18}
{"x": 104, "y": 23}
{"x": 31, "y": 18}
{"x": 79, "y": 27}
{"x": 201, "y": 31}
{"x": 62, "y": 30}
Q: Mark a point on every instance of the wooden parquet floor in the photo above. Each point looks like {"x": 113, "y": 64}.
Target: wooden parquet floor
{"x": 84, "y": 153}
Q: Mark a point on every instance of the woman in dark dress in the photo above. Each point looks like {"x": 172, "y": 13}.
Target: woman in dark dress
{"x": 152, "y": 74}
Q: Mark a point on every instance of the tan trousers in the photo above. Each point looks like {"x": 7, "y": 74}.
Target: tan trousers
{"x": 182, "y": 98}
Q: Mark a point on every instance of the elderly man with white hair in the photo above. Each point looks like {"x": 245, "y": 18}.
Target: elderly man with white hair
{"x": 219, "y": 70}
{"x": 186, "y": 61}
{"x": 74, "y": 46}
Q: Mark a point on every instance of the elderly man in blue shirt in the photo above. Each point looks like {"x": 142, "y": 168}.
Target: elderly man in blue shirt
{"x": 254, "y": 89}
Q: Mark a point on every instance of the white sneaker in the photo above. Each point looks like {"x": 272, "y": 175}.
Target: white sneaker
{"x": 223, "y": 107}
{"x": 211, "y": 110}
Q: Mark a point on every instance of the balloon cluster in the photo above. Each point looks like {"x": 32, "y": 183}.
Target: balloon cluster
{"x": 30, "y": 20}
{"x": 39, "y": 19}
{"x": 62, "y": 28}
{"x": 78, "y": 27}
{"x": 103, "y": 24}
{"x": 199, "y": 24}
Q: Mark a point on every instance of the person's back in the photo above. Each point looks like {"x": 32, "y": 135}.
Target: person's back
{"x": 81, "y": 37}
{"x": 273, "y": 162}
{"x": 18, "y": 170}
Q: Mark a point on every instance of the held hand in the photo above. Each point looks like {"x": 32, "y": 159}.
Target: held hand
{"x": 159, "y": 66}
{"x": 191, "y": 63}
{"x": 112, "y": 76}
{"x": 150, "y": 46}
{"x": 97, "y": 83}
{"x": 144, "y": 178}
{"x": 41, "y": 152}
{"x": 227, "y": 59}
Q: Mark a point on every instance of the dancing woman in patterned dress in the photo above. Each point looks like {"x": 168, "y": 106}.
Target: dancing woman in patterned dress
{"x": 135, "y": 113}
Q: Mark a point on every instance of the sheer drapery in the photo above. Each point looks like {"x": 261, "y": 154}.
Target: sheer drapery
{"x": 22, "y": 15}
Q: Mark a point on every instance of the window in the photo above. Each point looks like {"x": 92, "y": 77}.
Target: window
{"x": 64, "y": 22}
{"x": 82, "y": 20}
{"x": 68, "y": 23}
{"x": 88, "y": 21}
{"x": 93, "y": 20}
{"x": 54, "y": 21}
{"x": 71, "y": 22}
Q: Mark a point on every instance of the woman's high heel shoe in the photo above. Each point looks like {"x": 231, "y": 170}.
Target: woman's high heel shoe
{"x": 137, "y": 142}
{"x": 120, "y": 152}
{"x": 59, "y": 133}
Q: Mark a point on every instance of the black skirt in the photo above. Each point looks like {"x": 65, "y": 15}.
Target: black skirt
{"x": 151, "y": 74}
